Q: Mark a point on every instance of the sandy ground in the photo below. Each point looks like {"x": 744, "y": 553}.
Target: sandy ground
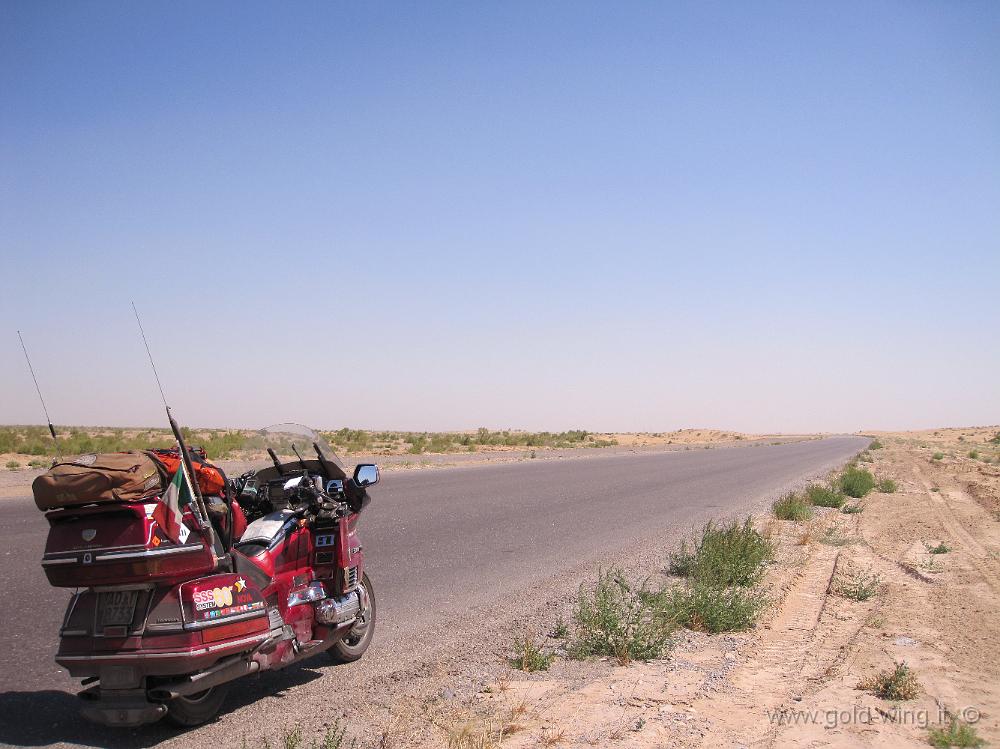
{"x": 793, "y": 681}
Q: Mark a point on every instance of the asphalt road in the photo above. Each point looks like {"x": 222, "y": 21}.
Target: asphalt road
{"x": 442, "y": 541}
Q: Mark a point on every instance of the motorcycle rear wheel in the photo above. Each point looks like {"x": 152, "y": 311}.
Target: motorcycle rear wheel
{"x": 354, "y": 644}
{"x": 197, "y": 708}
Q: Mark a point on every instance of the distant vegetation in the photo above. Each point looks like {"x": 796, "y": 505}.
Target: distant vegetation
{"x": 224, "y": 443}
{"x": 75, "y": 441}
{"x": 416, "y": 443}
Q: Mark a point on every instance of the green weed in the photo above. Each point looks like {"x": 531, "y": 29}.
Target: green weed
{"x": 824, "y": 496}
{"x": 559, "y": 631}
{"x": 896, "y": 685}
{"x": 616, "y": 618}
{"x": 957, "y": 734}
{"x": 792, "y": 507}
{"x": 730, "y": 554}
{"x": 529, "y": 657}
{"x": 941, "y": 548}
{"x": 859, "y": 586}
{"x": 708, "y": 608}
{"x": 886, "y": 486}
{"x": 681, "y": 562}
{"x": 856, "y": 482}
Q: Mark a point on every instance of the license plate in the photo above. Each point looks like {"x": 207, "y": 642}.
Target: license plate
{"x": 116, "y": 608}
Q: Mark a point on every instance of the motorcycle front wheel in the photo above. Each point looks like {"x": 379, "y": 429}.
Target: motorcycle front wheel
{"x": 356, "y": 642}
{"x": 198, "y": 708}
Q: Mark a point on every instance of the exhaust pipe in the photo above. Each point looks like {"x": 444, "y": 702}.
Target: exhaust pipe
{"x": 199, "y": 682}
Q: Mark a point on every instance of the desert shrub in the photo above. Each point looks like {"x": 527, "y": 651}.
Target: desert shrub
{"x": 824, "y": 496}
{"x": 830, "y": 537}
{"x": 292, "y": 738}
{"x": 895, "y": 685}
{"x": 865, "y": 457}
{"x": 852, "y": 509}
{"x": 941, "y": 548}
{"x": 709, "y": 608}
{"x": 875, "y": 445}
{"x": 528, "y": 656}
{"x": 973, "y": 454}
{"x": 792, "y": 507}
{"x": 559, "y": 631}
{"x": 937, "y": 456}
{"x": 35, "y": 463}
{"x": 12, "y": 465}
{"x": 859, "y": 586}
{"x": 996, "y": 439}
{"x": 886, "y": 486}
{"x": 856, "y": 482}
{"x": 957, "y": 734}
{"x": 681, "y": 562}
{"x": 617, "y": 618}
{"x": 731, "y": 554}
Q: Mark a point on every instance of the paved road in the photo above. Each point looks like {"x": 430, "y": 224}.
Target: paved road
{"x": 449, "y": 539}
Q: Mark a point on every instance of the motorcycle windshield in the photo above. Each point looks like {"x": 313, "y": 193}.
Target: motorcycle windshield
{"x": 288, "y": 439}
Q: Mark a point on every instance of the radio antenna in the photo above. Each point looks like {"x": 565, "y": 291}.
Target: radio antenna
{"x": 52, "y": 429}
{"x": 191, "y": 476}
{"x": 151, "y": 362}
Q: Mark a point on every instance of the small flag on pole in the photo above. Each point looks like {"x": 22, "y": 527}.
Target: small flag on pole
{"x": 170, "y": 510}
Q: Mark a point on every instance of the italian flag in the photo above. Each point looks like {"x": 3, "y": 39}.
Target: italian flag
{"x": 170, "y": 509}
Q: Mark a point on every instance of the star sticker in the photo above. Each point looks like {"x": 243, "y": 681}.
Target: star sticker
{"x": 240, "y": 585}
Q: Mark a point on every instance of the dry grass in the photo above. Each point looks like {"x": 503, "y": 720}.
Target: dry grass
{"x": 552, "y": 736}
{"x": 809, "y": 533}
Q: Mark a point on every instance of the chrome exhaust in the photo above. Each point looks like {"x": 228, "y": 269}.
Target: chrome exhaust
{"x": 199, "y": 682}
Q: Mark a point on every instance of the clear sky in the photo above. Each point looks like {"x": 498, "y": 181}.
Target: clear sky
{"x": 616, "y": 216}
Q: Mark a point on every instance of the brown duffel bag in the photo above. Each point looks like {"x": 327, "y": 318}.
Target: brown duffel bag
{"x": 103, "y": 477}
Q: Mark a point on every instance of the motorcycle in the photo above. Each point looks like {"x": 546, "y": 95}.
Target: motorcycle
{"x": 160, "y": 628}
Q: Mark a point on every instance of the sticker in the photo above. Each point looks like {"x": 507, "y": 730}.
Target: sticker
{"x": 233, "y": 610}
{"x": 86, "y": 460}
{"x": 213, "y": 598}
{"x": 226, "y": 601}
{"x": 322, "y": 541}
{"x": 89, "y": 534}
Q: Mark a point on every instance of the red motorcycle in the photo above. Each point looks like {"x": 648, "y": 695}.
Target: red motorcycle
{"x": 163, "y": 620}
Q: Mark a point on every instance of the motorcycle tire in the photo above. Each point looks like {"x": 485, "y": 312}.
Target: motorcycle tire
{"x": 197, "y": 708}
{"x": 353, "y": 646}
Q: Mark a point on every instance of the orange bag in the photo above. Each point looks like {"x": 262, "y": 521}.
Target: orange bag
{"x": 210, "y": 480}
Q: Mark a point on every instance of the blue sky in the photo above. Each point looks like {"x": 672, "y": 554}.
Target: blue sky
{"x": 757, "y": 216}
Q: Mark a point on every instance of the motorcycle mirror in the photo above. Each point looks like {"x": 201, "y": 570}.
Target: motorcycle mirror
{"x": 366, "y": 474}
